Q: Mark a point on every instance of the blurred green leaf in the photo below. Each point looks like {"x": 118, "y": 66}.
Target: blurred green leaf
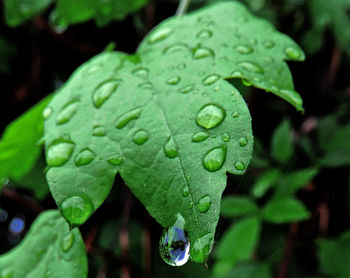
{"x": 248, "y": 270}
{"x": 265, "y": 182}
{"x": 48, "y": 250}
{"x": 281, "y": 142}
{"x": 283, "y": 210}
{"x": 234, "y": 206}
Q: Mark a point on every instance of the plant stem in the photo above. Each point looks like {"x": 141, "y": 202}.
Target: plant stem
{"x": 183, "y": 6}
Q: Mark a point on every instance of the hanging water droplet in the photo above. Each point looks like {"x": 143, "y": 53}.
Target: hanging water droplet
{"x": 252, "y": 67}
{"x": 140, "y": 137}
{"x": 203, "y": 52}
{"x": 200, "y": 136}
{"x": 226, "y": 137}
{"x": 239, "y": 165}
{"x": 141, "y": 72}
{"x": 243, "y": 49}
{"x": 115, "y": 159}
{"x": 211, "y": 79}
{"x": 170, "y": 148}
{"x": 67, "y": 242}
{"x": 292, "y": 53}
{"x": 186, "y": 191}
{"x": 104, "y": 92}
{"x": 214, "y": 159}
{"x": 77, "y": 209}
{"x": 243, "y": 141}
{"x": 268, "y": 44}
{"x": 67, "y": 112}
{"x": 47, "y": 112}
{"x": 235, "y": 115}
{"x": 187, "y": 89}
{"x": 124, "y": 119}
{"x": 174, "y": 246}
{"x": 159, "y": 35}
{"x": 59, "y": 152}
{"x": 210, "y": 115}
{"x": 204, "y": 34}
{"x": 174, "y": 80}
{"x": 99, "y": 131}
{"x": 204, "y": 204}
{"x": 84, "y": 157}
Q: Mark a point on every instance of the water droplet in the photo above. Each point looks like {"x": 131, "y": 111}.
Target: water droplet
{"x": 235, "y": 115}
{"x": 67, "y": 112}
{"x": 115, "y": 159}
{"x": 174, "y": 80}
{"x": 146, "y": 86}
{"x": 124, "y": 119}
{"x": 177, "y": 47}
{"x": 246, "y": 82}
{"x": 84, "y": 157}
{"x": 204, "y": 34}
{"x": 252, "y": 67}
{"x": 174, "y": 246}
{"x": 243, "y": 49}
{"x": 211, "y": 79}
{"x": 204, "y": 204}
{"x": 59, "y": 152}
{"x": 47, "y": 112}
{"x": 200, "y": 136}
{"x": 268, "y": 44}
{"x": 187, "y": 89}
{"x": 226, "y": 137}
{"x": 92, "y": 69}
{"x": 292, "y": 53}
{"x": 236, "y": 74}
{"x": 159, "y": 35}
{"x": 188, "y": 178}
{"x": 140, "y": 137}
{"x": 141, "y": 72}
{"x": 210, "y": 115}
{"x": 99, "y": 131}
{"x": 104, "y": 92}
{"x": 239, "y": 165}
{"x": 77, "y": 209}
{"x": 217, "y": 88}
{"x": 243, "y": 141}
{"x": 170, "y": 148}
{"x": 203, "y": 52}
{"x": 214, "y": 159}
{"x": 186, "y": 191}
{"x": 67, "y": 242}
{"x": 181, "y": 66}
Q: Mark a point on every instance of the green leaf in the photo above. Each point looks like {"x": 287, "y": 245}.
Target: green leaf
{"x": 19, "y": 150}
{"x": 19, "y": 11}
{"x": 284, "y": 209}
{"x": 237, "y": 206}
{"x": 334, "y": 256}
{"x": 265, "y": 182}
{"x": 232, "y": 42}
{"x": 237, "y": 244}
{"x": 281, "y": 142}
{"x": 248, "y": 270}
{"x": 48, "y": 250}
{"x": 166, "y": 130}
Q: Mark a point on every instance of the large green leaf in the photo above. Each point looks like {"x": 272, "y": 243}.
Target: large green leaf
{"x": 48, "y": 250}
{"x": 169, "y": 134}
{"x": 234, "y": 44}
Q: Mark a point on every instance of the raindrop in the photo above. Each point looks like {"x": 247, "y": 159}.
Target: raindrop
{"x": 187, "y": 89}
{"x": 211, "y": 79}
{"x": 99, "y": 131}
{"x": 159, "y": 35}
{"x": 202, "y": 52}
{"x": 235, "y": 115}
{"x": 67, "y": 112}
{"x": 268, "y": 44}
{"x": 252, "y": 67}
{"x": 174, "y": 80}
{"x": 210, "y": 115}
{"x": 186, "y": 191}
{"x": 170, "y": 148}
{"x": 200, "y": 136}
{"x": 115, "y": 159}
{"x": 77, "y": 209}
{"x": 204, "y": 204}
{"x": 292, "y": 53}
{"x": 236, "y": 73}
{"x": 84, "y": 157}
{"x": 239, "y": 165}
{"x": 243, "y": 49}
{"x": 188, "y": 178}
{"x": 141, "y": 72}
{"x": 243, "y": 141}
{"x": 124, "y": 119}
{"x": 59, "y": 152}
{"x": 140, "y": 137}
{"x": 176, "y": 48}
{"x": 204, "y": 34}
{"x": 146, "y": 86}
{"x": 226, "y": 137}
{"x": 67, "y": 242}
{"x": 104, "y": 92}
{"x": 174, "y": 246}
{"x": 214, "y": 159}
{"x": 47, "y": 112}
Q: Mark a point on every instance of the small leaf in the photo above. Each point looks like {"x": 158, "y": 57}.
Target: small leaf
{"x": 283, "y": 210}
{"x": 237, "y": 206}
{"x": 281, "y": 142}
{"x": 49, "y": 249}
{"x": 264, "y": 182}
